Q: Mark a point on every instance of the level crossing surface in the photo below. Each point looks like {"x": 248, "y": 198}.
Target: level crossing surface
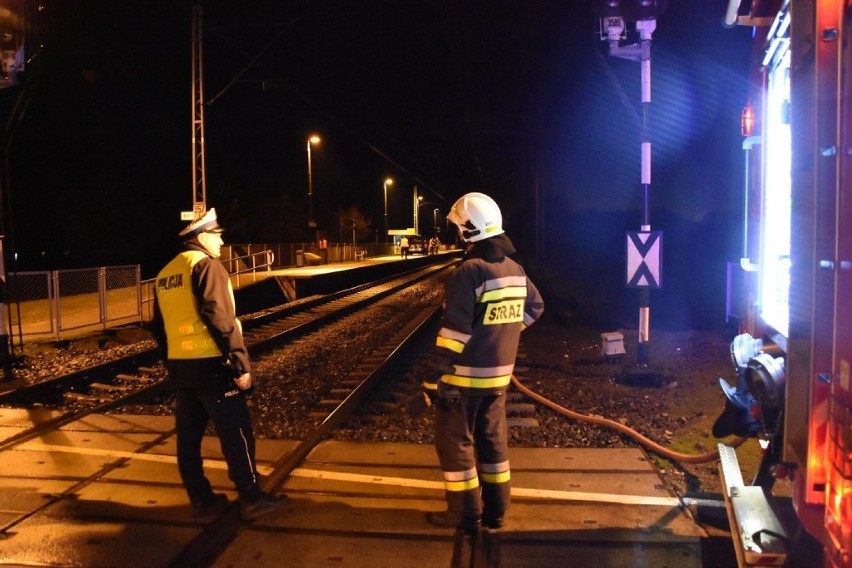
{"x": 105, "y": 491}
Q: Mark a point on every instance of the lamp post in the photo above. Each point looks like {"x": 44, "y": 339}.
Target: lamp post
{"x": 311, "y": 223}
{"x": 388, "y": 182}
{"x": 420, "y": 203}
{"x": 435, "y": 219}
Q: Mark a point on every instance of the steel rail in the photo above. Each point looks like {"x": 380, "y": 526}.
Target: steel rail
{"x": 216, "y": 537}
{"x": 313, "y": 313}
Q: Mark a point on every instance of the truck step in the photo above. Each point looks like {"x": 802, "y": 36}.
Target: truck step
{"x": 758, "y": 535}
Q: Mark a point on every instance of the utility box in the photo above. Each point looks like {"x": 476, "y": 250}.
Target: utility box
{"x": 612, "y": 345}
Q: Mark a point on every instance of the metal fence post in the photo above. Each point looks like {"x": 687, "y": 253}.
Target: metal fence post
{"x": 102, "y": 296}
{"x": 54, "y": 285}
{"x": 139, "y": 291}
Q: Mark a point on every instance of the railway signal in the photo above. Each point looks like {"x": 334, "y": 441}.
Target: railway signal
{"x": 618, "y": 17}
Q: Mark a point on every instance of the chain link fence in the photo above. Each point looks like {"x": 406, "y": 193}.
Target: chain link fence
{"x": 30, "y": 301}
{"x": 48, "y": 304}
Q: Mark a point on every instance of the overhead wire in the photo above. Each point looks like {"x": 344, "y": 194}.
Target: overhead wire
{"x": 255, "y": 62}
{"x": 455, "y": 39}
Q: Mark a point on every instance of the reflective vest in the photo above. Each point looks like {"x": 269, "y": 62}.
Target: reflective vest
{"x": 188, "y": 336}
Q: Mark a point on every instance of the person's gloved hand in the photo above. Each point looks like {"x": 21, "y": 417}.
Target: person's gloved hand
{"x": 244, "y": 381}
{"x": 424, "y": 398}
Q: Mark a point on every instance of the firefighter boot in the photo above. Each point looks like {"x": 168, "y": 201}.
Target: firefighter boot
{"x": 447, "y": 520}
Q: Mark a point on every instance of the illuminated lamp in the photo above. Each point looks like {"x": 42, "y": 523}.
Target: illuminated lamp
{"x": 747, "y": 121}
{"x": 649, "y": 9}
{"x": 744, "y": 348}
{"x": 766, "y": 378}
{"x": 610, "y": 8}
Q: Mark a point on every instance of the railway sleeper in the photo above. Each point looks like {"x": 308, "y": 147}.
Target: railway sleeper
{"x": 109, "y": 388}
{"x": 135, "y": 378}
{"x": 386, "y": 407}
{"x": 522, "y": 422}
{"x": 80, "y": 396}
{"x": 514, "y": 409}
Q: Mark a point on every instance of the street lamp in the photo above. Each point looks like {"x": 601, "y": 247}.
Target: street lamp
{"x": 311, "y": 223}
{"x": 388, "y": 182}
{"x": 435, "y": 219}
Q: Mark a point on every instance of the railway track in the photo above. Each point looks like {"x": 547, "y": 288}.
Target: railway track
{"x": 366, "y": 384}
{"x": 137, "y": 376}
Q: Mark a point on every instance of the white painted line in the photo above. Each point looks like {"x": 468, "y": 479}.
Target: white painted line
{"x": 118, "y": 454}
{"x": 516, "y": 491}
{"x": 366, "y": 478}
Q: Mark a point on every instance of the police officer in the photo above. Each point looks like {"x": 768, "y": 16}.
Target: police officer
{"x": 208, "y": 364}
{"x": 488, "y": 301}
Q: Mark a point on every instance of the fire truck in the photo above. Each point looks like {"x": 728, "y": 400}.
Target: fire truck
{"x": 792, "y": 288}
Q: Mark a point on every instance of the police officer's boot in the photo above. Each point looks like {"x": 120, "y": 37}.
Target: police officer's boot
{"x": 256, "y": 502}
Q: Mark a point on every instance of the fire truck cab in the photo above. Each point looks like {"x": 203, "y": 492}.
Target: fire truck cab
{"x": 794, "y": 350}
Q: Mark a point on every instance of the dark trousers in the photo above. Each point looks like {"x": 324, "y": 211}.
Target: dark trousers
{"x": 471, "y": 436}
{"x": 230, "y": 415}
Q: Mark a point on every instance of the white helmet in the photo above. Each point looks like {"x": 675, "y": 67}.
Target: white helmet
{"x": 477, "y": 216}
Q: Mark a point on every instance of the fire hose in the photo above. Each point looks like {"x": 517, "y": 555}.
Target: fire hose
{"x": 650, "y": 444}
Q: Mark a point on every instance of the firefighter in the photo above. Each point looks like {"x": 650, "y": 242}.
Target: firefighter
{"x": 488, "y": 301}
{"x": 195, "y": 325}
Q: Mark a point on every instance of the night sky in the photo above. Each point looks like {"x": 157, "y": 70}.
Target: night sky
{"x": 500, "y": 96}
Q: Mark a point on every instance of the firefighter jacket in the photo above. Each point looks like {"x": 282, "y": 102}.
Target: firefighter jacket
{"x": 195, "y": 319}
{"x": 488, "y": 301}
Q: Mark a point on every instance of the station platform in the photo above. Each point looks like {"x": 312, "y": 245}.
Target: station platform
{"x": 105, "y": 492}
{"x": 278, "y": 286}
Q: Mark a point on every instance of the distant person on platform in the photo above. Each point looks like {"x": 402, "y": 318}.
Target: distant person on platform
{"x": 488, "y": 301}
{"x": 195, "y": 324}
{"x": 403, "y": 247}
{"x": 434, "y": 245}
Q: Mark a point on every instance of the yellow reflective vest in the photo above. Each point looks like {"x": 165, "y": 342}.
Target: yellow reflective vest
{"x": 187, "y": 336}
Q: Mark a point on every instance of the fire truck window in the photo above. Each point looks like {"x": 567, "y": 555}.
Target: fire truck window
{"x": 775, "y": 239}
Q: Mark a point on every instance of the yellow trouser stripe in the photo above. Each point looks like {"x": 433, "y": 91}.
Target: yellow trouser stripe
{"x": 477, "y": 382}
{"x": 466, "y": 485}
{"x": 496, "y": 477}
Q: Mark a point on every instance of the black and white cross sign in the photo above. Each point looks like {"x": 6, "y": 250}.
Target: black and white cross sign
{"x": 644, "y": 259}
